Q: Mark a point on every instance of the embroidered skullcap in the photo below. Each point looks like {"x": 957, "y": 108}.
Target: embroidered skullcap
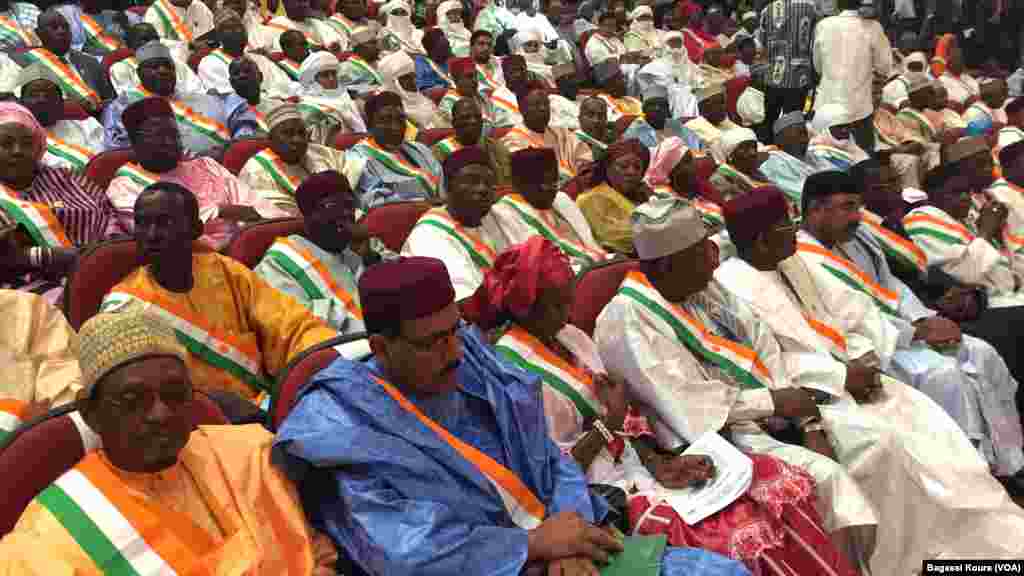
{"x": 917, "y": 81}
{"x": 563, "y": 70}
{"x": 464, "y": 157}
{"x": 709, "y": 89}
{"x": 316, "y": 63}
{"x": 318, "y": 186}
{"x": 655, "y": 91}
{"x": 460, "y": 66}
{"x": 363, "y": 35}
{"x": 964, "y": 148}
{"x": 138, "y": 112}
{"x": 665, "y": 225}
{"x": 1009, "y": 154}
{"x": 226, "y": 15}
{"x": 403, "y": 289}
{"x": 750, "y": 106}
{"x": 824, "y": 184}
{"x": 32, "y": 73}
{"x": 788, "y": 119}
{"x": 1014, "y": 106}
{"x": 607, "y": 69}
{"x": 754, "y": 213}
{"x": 282, "y": 113}
{"x": 731, "y": 140}
{"x": 153, "y": 50}
{"x": 109, "y": 341}
{"x": 529, "y": 165}
{"x": 518, "y": 278}
{"x": 380, "y": 100}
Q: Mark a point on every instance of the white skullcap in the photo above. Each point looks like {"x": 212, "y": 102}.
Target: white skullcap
{"x": 314, "y": 64}
{"x": 750, "y": 106}
{"x": 665, "y": 225}
{"x": 640, "y": 11}
{"x": 731, "y": 139}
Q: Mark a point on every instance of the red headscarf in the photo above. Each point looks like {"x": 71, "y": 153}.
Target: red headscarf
{"x": 519, "y": 276}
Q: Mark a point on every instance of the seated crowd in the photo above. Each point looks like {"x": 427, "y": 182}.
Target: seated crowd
{"x": 633, "y": 234}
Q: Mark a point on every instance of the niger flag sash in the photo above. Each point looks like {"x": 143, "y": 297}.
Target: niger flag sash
{"x": 37, "y": 218}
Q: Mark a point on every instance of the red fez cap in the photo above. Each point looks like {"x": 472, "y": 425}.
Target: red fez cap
{"x": 462, "y": 65}
{"x": 754, "y": 213}
{"x": 403, "y": 289}
{"x": 464, "y": 157}
{"x": 138, "y": 112}
{"x": 318, "y": 186}
{"x": 530, "y": 164}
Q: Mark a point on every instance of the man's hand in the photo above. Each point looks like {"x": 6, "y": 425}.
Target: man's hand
{"x": 862, "y": 382}
{"x": 238, "y": 213}
{"x": 937, "y": 332}
{"x": 572, "y": 567}
{"x": 683, "y": 471}
{"x": 612, "y": 393}
{"x": 794, "y": 403}
{"x": 566, "y": 535}
{"x": 991, "y": 220}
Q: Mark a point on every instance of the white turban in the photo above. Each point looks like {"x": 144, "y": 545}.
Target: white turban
{"x": 528, "y": 35}
{"x": 640, "y": 11}
{"x": 314, "y": 64}
{"x": 442, "y": 17}
{"x": 417, "y": 106}
{"x": 394, "y": 66}
{"x": 731, "y": 139}
{"x": 750, "y": 106}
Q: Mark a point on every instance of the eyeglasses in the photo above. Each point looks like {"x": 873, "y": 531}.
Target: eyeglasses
{"x": 428, "y": 343}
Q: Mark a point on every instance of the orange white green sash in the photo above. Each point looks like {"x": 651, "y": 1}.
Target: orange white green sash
{"x": 194, "y": 121}
{"x": 342, "y": 24}
{"x": 710, "y": 212}
{"x": 1014, "y": 242}
{"x": 137, "y": 174}
{"x": 730, "y": 171}
{"x": 522, "y": 505}
{"x": 947, "y": 231}
{"x": 222, "y": 56}
{"x": 437, "y": 70}
{"x": 571, "y": 382}
{"x": 573, "y": 249}
{"x": 38, "y": 219}
{"x": 920, "y": 120}
{"x": 69, "y": 79}
{"x": 848, "y": 273}
{"x": 74, "y": 155}
{"x": 11, "y": 415}
{"x": 593, "y": 142}
{"x": 841, "y": 158}
{"x": 9, "y": 29}
{"x": 223, "y": 351}
{"x": 739, "y": 361}
{"x": 365, "y": 68}
{"x": 481, "y": 254}
{"x": 312, "y": 275}
{"x": 448, "y": 146}
{"x": 487, "y": 77}
{"x": 535, "y": 140}
{"x": 291, "y": 68}
{"x": 174, "y": 26}
{"x": 448, "y": 100}
{"x": 273, "y": 164}
{"x": 893, "y": 244}
{"x": 396, "y": 163}
{"x": 261, "y": 120}
{"x": 835, "y": 338}
{"x": 504, "y": 105}
{"x": 616, "y": 104}
{"x": 94, "y": 35}
{"x": 122, "y": 534}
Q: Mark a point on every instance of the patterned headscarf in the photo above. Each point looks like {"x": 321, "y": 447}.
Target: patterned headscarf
{"x": 12, "y": 113}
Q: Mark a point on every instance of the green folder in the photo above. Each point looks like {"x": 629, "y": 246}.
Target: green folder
{"x": 641, "y": 557}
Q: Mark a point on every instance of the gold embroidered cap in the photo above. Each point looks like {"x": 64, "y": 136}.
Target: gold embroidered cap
{"x": 110, "y": 340}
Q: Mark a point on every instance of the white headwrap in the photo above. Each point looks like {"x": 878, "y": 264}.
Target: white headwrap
{"x": 828, "y": 116}
{"x": 750, "y": 106}
{"x": 402, "y": 27}
{"x": 644, "y": 28}
{"x": 731, "y": 139}
{"x": 314, "y": 64}
{"x": 452, "y": 31}
{"x": 418, "y": 107}
{"x": 915, "y": 57}
{"x": 530, "y": 35}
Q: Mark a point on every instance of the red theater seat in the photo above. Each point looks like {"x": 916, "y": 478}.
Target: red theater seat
{"x": 239, "y": 152}
{"x": 595, "y": 288}
{"x": 102, "y": 166}
{"x": 300, "y": 370}
{"x": 392, "y": 223}
{"x": 249, "y": 244}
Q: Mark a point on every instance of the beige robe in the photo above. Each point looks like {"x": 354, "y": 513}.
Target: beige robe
{"x": 262, "y": 184}
{"x": 38, "y": 351}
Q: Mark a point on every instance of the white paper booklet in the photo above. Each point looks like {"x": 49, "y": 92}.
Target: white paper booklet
{"x": 734, "y": 471}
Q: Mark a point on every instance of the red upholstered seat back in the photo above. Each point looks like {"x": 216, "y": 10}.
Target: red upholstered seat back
{"x": 434, "y": 135}
{"x": 301, "y": 369}
{"x": 393, "y": 222}
{"x": 239, "y": 152}
{"x": 436, "y": 93}
{"x": 44, "y": 450}
{"x": 595, "y": 287}
{"x": 98, "y": 269}
{"x": 348, "y": 140}
{"x": 102, "y": 166}
{"x": 249, "y": 244}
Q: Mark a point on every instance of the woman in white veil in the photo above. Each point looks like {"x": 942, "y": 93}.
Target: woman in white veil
{"x": 451, "y": 20}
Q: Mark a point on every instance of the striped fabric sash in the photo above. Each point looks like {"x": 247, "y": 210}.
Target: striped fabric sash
{"x": 944, "y": 230}
{"x": 37, "y": 218}
{"x": 534, "y": 140}
{"x": 530, "y": 354}
{"x": 94, "y": 35}
{"x": 834, "y": 155}
{"x": 920, "y": 120}
{"x": 835, "y": 339}
{"x": 710, "y": 212}
{"x": 11, "y": 414}
{"x": 508, "y": 106}
{"x": 222, "y": 56}
{"x": 448, "y": 146}
{"x": 848, "y": 273}
{"x": 437, "y": 70}
{"x": 137, "y": 174}
{"x": 487, "y": 77}
{"x": 614, "y": 103}
{"x": 396, "y": 163}
{"x": 732, "y": 173}
{"x": 290, "y": 68}
{"x": 75, "y": 155}
{"x": 261, "y": 120}
{"x": 894, "y": 245}
{"x": 523, "y": 506}
{"x": 737, "y": 360}
{"x": 70, "y": 81}
{"x": 1014, "y": 242}
{"x": 366, "y": 68}
{"x": 173, "y": 24}
{"x": 312, "y": 275}
{"x": 10, "y": 29}
{"x": 342, "y": 24}
{"x": 196, "y": 122}
{"x": 573, "y": 249}
{"x": 273, "y": 164}
{"x": 481, "y": 254}
{"x": 594, "y": 142}
{"x": 117, "y": 531}
{"x": 222, "y": 351}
